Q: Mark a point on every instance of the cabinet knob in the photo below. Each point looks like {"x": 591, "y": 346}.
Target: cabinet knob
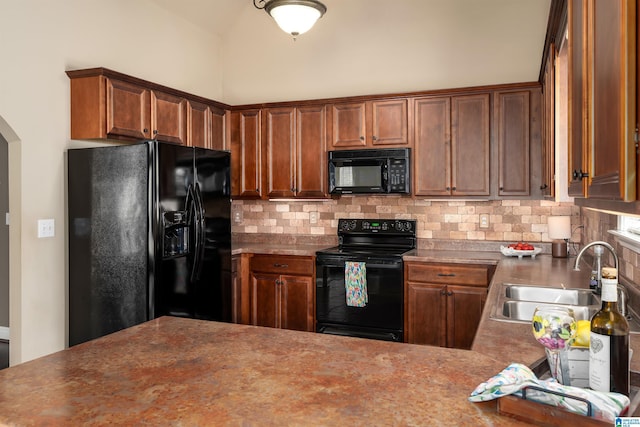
{"x": 375, "y": 138}
{"x": 155, "y": 131}
{"x": 448, "y": 188}
{"x": 362, "y": 138}
{"x": 453, "y": 188}
{"x": 145, "y": 130}
{"x": 449, "y": 293}
{"x": 544, "y": 186}
{"x": 501, "y": 188}
{"x": 579, "y": 175}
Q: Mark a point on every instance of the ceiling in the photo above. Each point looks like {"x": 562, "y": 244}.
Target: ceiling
{"x": 214, "y": 16}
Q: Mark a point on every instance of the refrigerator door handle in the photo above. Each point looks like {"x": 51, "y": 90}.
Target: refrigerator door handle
{"x": 200, "y": 234}
{"x": 194, "y": 224}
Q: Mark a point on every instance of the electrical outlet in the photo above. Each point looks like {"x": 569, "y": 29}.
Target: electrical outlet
{"x": 484, "y": 220}
{"x": 237, "y": 215}
{"x": 46, "y": 228}
{"x": 313, "y": 217}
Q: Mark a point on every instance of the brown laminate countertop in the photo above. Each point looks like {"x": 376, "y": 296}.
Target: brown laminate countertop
{"x": 278, "y": 249}
{"x": 172, "y": 371}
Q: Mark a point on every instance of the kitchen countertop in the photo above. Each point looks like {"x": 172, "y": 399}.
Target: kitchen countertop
{"x": 192, "y": 372}
{"x": 172, "y": 371}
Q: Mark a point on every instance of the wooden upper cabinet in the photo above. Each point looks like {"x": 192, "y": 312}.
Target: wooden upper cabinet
{"x": 128, "y": 110}
{"x": 578, "y": 121}
{"x": 110, "y": 105}
{"x": 348, "y": 123}
{"x": 370, "y": 124}
{"x": 199, "y": 125}
{"x": 311, "y": 152}
{"x": 512, "y": 114}
{"x": 217, "y": 141}
{"x": 246, "y": 153}
{"x": 168, "y": 118}
{"x": 612, "y": 50}
{"x": 547, "y": 185}
{"x": 295, "y": 149}
{"x": 389, "y": 122}
{"x": 432, "y": 147}
{"x": 451, "y": 146}
{"x": 280, "y": 151}
{"x": 470, "y": 145}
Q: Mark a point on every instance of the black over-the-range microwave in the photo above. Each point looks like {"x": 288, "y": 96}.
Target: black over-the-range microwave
{"x": 381, "y": 171}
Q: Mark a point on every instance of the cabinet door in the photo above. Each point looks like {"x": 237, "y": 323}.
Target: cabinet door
{"x": 199, "y": 129}
{"x": 464, "y": 311}
{"x": 280, "y": 147}
{"x": 426, "y": 317}
{"x": 577, "y": 17}
{"x": 296, "y": 303}
{"x": 512, "y": 114}
{"x": 128, "y": 110}
{"x": 217, "y": 139}
{"x": 348, "y": 125}
{"x": 612, "y": 47}
{"x": 547, "y": 185}
{"x": 246, "y": 154}
{"x": 311, "y": 152}
{"x": 169, "y": 118}
{"x": 265, "y": 304}
{"x": 470, "y": 145}
{"x": 389, "y": 122}
{"x": 432, "y": 147}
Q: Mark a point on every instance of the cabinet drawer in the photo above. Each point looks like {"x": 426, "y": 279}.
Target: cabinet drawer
{"x": 459, "y": 274}
{"x": 280, "y": 264}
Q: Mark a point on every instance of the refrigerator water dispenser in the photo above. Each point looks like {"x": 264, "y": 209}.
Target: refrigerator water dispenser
{"x": 176, "y": 234}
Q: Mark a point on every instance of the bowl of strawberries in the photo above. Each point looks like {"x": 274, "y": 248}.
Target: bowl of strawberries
{"x": 520, "y": 249}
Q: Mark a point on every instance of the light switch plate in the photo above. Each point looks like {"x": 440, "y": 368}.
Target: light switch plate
{"x": 484, "y": 220}
{"x": 6, "y": 218}
{"x": 46, "y": 228}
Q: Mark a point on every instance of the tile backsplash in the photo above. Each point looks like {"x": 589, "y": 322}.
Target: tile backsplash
{"x": 509, "y": 220}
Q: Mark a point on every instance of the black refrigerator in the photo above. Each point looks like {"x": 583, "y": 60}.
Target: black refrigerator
{"x": 149, "y": 235}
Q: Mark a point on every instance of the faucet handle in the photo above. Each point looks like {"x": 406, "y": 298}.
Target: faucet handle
{"x": 623, "y": 300}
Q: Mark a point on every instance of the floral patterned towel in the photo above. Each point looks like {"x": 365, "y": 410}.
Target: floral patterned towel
{"x": 515, "y": 377}
{"x": 355, "y": 283}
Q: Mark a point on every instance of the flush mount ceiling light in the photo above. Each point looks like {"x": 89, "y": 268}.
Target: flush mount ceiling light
{"x": 293, "y": 16}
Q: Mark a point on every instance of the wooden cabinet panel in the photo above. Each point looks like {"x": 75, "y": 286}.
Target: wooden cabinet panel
{"x": 389, "y": 122}
{"x": 578, "y": 123}
{"x": 217, "y": 140}
{"x": 128, "y": 110}
{"x": 311, "y": 152}
{"x": 240, "y": 289}
{"x": 464, "y": 312}
{"x": 512, "y": 113}
{"x": 348, "y": 125}
{"x": 547, "y": 185}
{"x": 280, "y": 151}
{"x": 199, "y": 129}
{"x": 470, "y": 145}
{"x": 297, "y": 299}
{"x": 432, "y": 147}
{"x": 265, "y": 300}
{"x": 426, "y": 319}
{"x": 283, "y": 264}
{"x": 460, "y": 274}
{"x": 246, "y": 153}
{"x": 168, "y": 118}
{"x": 613, "y": 50}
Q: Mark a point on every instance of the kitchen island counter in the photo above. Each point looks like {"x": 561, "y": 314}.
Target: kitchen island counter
{"x": 191, "y": 372}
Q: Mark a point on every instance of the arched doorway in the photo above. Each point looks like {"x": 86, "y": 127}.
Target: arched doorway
{"x": 11, "y": 172}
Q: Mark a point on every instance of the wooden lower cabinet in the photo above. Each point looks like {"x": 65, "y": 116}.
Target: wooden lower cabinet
{"x": 444, "y": 302}
{"x": 282, "y": 292}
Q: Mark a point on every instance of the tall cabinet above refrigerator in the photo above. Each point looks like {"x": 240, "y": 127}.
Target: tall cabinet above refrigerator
{"x": 149, "y": 236}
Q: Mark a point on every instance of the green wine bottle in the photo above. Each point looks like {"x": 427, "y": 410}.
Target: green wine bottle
{"x": 609, "y": 342}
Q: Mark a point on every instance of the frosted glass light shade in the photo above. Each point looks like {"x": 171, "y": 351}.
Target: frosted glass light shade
{"x": 295, "y": 16}
{"x": 559, "y": 227}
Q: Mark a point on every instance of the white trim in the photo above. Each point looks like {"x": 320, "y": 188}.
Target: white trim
{"x": 626, "y": 239}
{"x": 4, "y": 333}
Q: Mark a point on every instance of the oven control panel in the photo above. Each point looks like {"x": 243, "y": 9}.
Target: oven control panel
{"x": 403, "y": 226}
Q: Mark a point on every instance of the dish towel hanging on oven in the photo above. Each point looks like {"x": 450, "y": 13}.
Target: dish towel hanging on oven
{"x": 355, "y": 283}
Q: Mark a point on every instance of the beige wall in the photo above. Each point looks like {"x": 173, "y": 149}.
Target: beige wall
{"x": 39, "y": 40}
{"x": 380, "y": 46}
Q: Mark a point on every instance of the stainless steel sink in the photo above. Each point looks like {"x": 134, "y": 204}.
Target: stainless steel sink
{"x": 550, "y": 295}
{"x": 517, "y": 302}
{"x": 523, "y": 310}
